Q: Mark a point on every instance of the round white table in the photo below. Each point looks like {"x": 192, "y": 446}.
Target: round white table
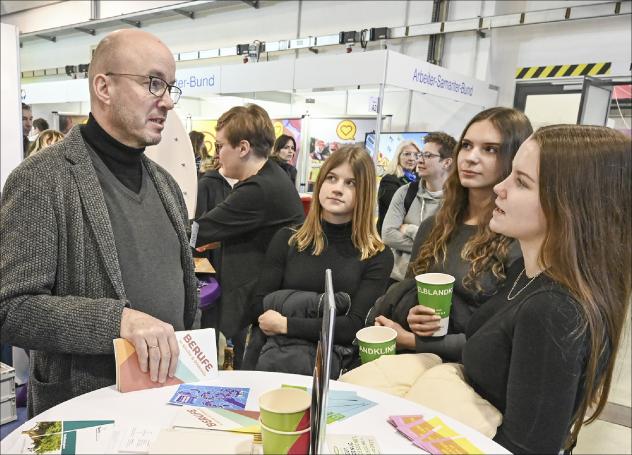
{"x": 150, "y": 407}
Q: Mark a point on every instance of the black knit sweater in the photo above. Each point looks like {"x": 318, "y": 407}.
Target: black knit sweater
{"x": 364, "y": 281}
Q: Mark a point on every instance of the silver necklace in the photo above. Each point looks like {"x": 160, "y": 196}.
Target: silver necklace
{"x": 509, "y": 296}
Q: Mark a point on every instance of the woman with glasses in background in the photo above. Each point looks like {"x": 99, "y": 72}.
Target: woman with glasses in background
{"x": 282, "y": 154}
{"x": 400, "y": 171}
{"x": 458, "y": 240}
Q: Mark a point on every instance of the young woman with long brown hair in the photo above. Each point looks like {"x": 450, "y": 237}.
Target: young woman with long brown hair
{"x": 338, "y": 234}
{"x": 457, "y": 240}
{"x": 543, "y": 350}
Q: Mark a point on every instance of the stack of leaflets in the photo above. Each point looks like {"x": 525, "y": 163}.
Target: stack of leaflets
{"x": 433, "y": 435}
{"x": 197, "y": 361}
{"x": 217, "y": 419}
{"x": 210, "y": 420}
{"x": 210, "y": 396}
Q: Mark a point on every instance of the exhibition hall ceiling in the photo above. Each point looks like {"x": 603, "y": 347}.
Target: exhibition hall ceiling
{"x": 14, "y": 6}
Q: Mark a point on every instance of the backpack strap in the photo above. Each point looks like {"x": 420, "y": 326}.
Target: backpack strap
{"x": 411, "y": 193}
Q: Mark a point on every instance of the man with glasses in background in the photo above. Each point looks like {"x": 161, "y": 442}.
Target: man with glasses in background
{"x": 93, "y": 235}
{"x": 414, "y": 202}
{"x": 27, "y": 126}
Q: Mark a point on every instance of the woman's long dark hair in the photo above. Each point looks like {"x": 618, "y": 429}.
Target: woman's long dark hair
{"x": 586, "y": 197}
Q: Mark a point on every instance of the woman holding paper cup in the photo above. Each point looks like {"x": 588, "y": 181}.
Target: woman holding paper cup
{"x": 543, "y": 350}
{"x": 456, "y": 246}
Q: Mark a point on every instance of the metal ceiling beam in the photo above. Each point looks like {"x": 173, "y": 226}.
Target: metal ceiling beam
{"x": 131, "y": 22}
{"x": 49, "y": 38}
{"x": 133, "y": 19}
{"x": 89, "y": 31}
{"x": 189, "y": 14}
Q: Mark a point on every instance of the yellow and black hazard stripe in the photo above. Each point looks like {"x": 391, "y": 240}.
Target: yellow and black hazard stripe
{"x": 579, "y": 69}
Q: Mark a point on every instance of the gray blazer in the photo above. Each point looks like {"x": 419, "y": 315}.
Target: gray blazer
{"x": 61, "y": 293}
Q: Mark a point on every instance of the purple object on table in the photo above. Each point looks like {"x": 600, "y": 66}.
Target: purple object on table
{"x": 209, "y": 292}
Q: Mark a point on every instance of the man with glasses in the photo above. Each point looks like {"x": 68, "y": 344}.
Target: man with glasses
{"x": 414, "y": 202}
{"x": 27, "y": 126}
{"x": 93, "y": 235}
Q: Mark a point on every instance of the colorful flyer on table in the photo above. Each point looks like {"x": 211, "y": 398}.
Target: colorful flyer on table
{"x": 433, "y": 436}
{"x": 69, "y": 437}
{"x": 217, "y": 419}
{"x": 211, "y": 396}
{"x": 352, "y": 444}
{"x": 459, "y": 445}
{"x": 341, "y": 404}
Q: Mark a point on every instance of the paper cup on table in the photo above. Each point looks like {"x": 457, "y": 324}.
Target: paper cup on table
{"x": 285, "y": 442}
{"x": 285, "y": 409}
{"x": 434, "y": 290}
{"x": 375, "y": 341}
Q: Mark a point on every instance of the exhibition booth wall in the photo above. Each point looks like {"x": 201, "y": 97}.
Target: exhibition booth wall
{"x": 359, "y": 88}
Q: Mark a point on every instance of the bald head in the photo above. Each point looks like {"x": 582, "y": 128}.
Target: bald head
{"x": 123, "y": 49}
{"x": 131, "y": 77}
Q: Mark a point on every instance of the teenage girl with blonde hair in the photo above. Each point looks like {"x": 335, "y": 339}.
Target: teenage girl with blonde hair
{"x": 338, "y": 234}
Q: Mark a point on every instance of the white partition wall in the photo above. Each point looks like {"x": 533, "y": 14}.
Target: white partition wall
{"x": 175, "y": 154}
{"x": 11, "y": 133}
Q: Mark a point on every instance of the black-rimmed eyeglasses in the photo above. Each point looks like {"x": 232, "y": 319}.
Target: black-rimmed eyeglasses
{"x": 426, "y": 155}
{"x": 157, "y": 86}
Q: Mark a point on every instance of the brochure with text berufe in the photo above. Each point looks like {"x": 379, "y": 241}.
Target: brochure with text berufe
{"x": 197, "y": 361}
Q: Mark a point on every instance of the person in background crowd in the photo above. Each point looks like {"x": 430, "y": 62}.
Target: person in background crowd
{"x": 416, "y": 201}
{"x": 262, "y": 202}
{"x": 338, "y": 234}
{"x": 400, "y": 171}
{"x": 213, "y": 188}
{"x": 93, "y": 235}
{"x": 44, "y": 139}
{"x": 543, "y": 352}
{"x": 458, "y": 240}
{"x": 27, "y": 125}
{"x": 282, "y": 153}
{"x": 200, "y": 151}
{"x": 39, "y": 125}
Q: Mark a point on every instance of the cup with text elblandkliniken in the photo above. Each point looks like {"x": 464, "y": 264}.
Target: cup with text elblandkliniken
{"x": 434, "y": 290}
{"x": 376, "y": 341}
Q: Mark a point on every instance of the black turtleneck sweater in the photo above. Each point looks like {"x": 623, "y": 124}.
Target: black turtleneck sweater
{"x": 364, "y": 281}
{"x": 122, "y": 161}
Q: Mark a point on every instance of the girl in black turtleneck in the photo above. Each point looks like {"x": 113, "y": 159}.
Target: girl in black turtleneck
{"x": 338, "y": 234}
